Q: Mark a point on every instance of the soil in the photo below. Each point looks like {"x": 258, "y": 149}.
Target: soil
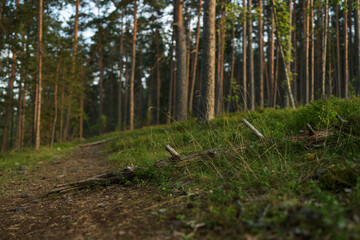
{"x": 112, "y": 212}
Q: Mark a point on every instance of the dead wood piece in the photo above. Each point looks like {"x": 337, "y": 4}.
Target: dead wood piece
{"x": 97, "y": 142}
{"x": 172, "y": 151}
{"x": 311, "y": 130}
{"x": 341, "y": 120}
{"x": 253, "y": 129}
{"x": 99, "y": 180}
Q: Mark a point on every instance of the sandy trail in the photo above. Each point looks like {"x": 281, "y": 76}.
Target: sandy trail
{"x": 112, "y": 212}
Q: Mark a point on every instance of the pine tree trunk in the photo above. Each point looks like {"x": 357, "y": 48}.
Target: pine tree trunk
{"x": 9, "y": 105}
{"x": 357, "y": 26}
{"x": 126, "y": 100}
{"x": 346, "y": 54}
{"x": 324, "y": 48}
{"x": 295, "y": 58}
{"x": 10, "y": 87}
{"x": 306, "y": 49}
{"x": 287, "y": 74}
{"x": 101, "y": 92}
{"x": 229, "y": 103}
{"x": 261, "y": 56}
{"x": 23, "y": 118}
{"x": 194, "y": 68}
{"x": 312, "y": 83}
{"x": 244, "y": 59}
{"x": 140, "y": 97}
{"x": 55, "y": 105}
{"x": 251, "y": 58}
{"x": 188, "y": 55}
{"x": 158, "y": 80}
{"x": 219, "y": 87}
{"x": 73, "y": 69}
{"x": 131, "y": 127}
{"x": 38, "y": 84}
{"x": 207, "y": 104}
{"x": 171, "y": 87}
{"x": 181, "y": 91}
{"x": 271, "y": 56}
{"x": 121, "y": 65}
{"x": 61, "y": 137}
{"x": 338, "y": 56}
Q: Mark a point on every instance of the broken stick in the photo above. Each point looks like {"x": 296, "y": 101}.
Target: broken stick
{"x": 311, "y": 130}
{"x": 172, "y": 151}
{"x": 341, "y": 119}
{"x": 253, "y": 129}
{"x": 97, "y": 142}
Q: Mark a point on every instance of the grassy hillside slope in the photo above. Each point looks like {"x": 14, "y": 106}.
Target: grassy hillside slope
{"x": 285, "y": 187}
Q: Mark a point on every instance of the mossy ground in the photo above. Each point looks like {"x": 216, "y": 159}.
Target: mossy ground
{"x": 282, "y": 189}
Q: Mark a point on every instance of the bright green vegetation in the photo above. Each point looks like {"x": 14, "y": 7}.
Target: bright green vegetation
{"x": 283, "y": 188}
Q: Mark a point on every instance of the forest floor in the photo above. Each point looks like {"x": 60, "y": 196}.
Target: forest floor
{"x": 296, "y": 183}
{"x": 112, "y": 212}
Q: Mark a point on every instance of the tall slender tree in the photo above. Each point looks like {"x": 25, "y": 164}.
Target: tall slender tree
{"x": 338, "y": 56}
{"x": 244, "y": 59}
{"x": 251, "y": 58}
{"x": 206, "y": 112}
{"x": 357, "y": 25}
{"x": 196, "y": 54}
{"x": 324, "y": 47}
{"x": 181, "y": 91}
{"x": 39, "y": 80}
{"x": 10, "y": 87}
{"x": 133, "y": 61}
{"x": 346, "y": 52}
{"x": 261, "y": 55}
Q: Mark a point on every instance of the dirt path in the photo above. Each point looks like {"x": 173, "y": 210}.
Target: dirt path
{"x": 113, "y": 212}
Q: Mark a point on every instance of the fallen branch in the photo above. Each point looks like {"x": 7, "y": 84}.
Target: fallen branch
{"x": 100, "y": 180}
{"x": 172, "y": 151}
{"x": 311, "y": 130}
{"x": 253, "y": 129}
{"x": 97, "y": 142}
{"x": 340, "y": 119}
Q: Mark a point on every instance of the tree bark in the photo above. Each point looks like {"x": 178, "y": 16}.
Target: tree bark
{"x": 38, "y": 84}
{"x": 232, "y": 71}
{"x": 55, "y": 105}
{"x": 171, "y": 87}
{"x": 181, "y": 91}
{"x": 10, "y": 94}
{"x": 219, "y": 86}
{"x": 338, "y": 56}
{"x": 131, "y": 125}
{"x": 158, "y": 79}
{"x": 101, "y": 92}
{"x": 357, "y": 47}
{"x": 73, "y": 69}
{"x": 261, "y": 55}
{"x": 312, "y": 83}
{"x": 346, "y": 54}
{"x": 244, "y": 59}
{"x": 306, "y": 49}
{"x": 121, "y": 65}
{"x": 251, "y": 59}
{"x": 194, "y": 68}
{"x": 324, "y": 48}
{"x": 126, "y": 100}
{"x": 271, "y": 58}
{"x": 206, "y": 112}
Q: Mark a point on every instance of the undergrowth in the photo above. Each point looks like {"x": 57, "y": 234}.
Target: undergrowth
{"x": 284, "y": 188}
